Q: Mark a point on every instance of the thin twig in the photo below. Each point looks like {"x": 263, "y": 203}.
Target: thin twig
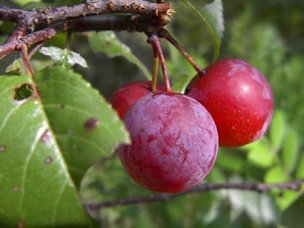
{"x": 26, "y": 60}
{"x": 256, "y": 187}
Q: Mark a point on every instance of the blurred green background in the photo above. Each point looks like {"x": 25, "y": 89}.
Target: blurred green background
{"x": 267, "y": 34}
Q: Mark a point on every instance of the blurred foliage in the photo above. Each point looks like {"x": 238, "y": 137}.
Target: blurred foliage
{"x": 267, "y": 34}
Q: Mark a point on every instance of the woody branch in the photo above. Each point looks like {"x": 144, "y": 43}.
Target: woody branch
{"x": 255, "y": 187}
{"x": 38, "y": 25}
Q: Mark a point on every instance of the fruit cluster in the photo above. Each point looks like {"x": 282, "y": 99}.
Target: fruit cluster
{"x": 175, "y": 137}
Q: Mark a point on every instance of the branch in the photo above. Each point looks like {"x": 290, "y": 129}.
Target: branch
{"x": 139, "y": 23}
{"x": 53, "y": 15}
{"x": 256, "y": 187}
{"x": 28, "y": 40}
{"x": 39, "y": 25}
{"x": 9, "y": 14}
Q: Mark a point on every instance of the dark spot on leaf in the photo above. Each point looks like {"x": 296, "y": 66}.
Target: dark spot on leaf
{"x": 48, "y": 160}
{"x": 15, "y": 189}
{"x": 2, "y": 149}
{"x": 23, "y": 92}
{"x": 91, "y": 123}
{"x": 20, "y": 224}
{"x": 281, "y": 194}
{"x": 62, "y": 106}
{"x": 45, "y": 137}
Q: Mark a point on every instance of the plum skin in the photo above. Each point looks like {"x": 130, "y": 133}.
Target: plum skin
{"x": 239, "y": 99}
{"x": 126, "y": 96}
{"x": 174, "y": 142}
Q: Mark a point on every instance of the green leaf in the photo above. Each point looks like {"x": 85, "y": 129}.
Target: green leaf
{"x": 83, "y": 122}
{"x": 277, "y": 130}
{"x": 65, "y": 56}
{"x": 109, "y": 44}
{"x": 291, "y": 150}
{"x": 47, "y": 144}
{"x": 260, "y": 154}
{"x": 276, "y": 175}
{"x": 181, "y": 82}
{"x": 24, "y": 2}
{"x": 300, "y": 171}
{"x": 212, "y": 17}
{"x": 14, "y": 67}
{"x": 293, "y": 215}
{"x": 226, "y": 158}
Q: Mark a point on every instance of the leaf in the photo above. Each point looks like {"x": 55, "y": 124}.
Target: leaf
{"x": 108, "y": 43}
{"x": 260, "y": 154}
{"x": 293, "y": 215}
{"x": 10, "y": 62}
{"x": 24, "y": 2}
{"x": 277, "y": 130}
{"x": 212, "y": 17}
{"x": 109, "y": 181}
{"x": 14, "y": 67}
{"x": 47, "y": 145}
{"x": 291, "y": 150}
{"x": 276, "y": 175}
{"x": 258, "y": 207}
{"x": 300, "y": 171}
{"x": 68, "y": 57}
{"x": 225, "y": 159}
{"x": 181, "y": 82}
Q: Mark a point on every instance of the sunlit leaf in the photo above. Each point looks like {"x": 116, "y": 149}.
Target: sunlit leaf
{"x": 24, "y": 2}
{"x": 260, "y": 154}
{"x": 65, "y": 56}
{"x": 276, "y": 175}
{"x": 48, "y": 143}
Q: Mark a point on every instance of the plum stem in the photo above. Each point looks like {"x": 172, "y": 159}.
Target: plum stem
{"x": 163, "y": 33}
{"x": 155, "y": 71}
{"x": 155, "y": 42}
